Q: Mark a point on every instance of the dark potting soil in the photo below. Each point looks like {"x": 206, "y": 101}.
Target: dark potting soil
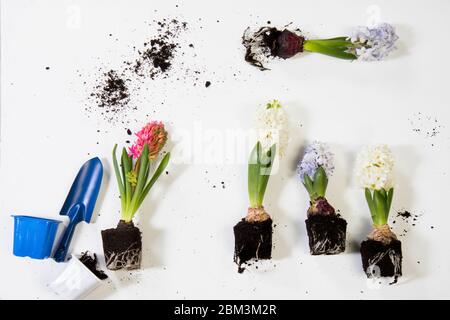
{"x": 380, "y": 260}
{"x": 408, "y": 218}
{"x": 404, "y": 214}
{"x": 114, "y": 89}
{"x": 270, "y": 42}
{"x": 112, "y": 94}
{"x": 156, "y": 56}
{"x": 91, "y": 262}
{"x": 326, "y": 233}
{"x": 122, "y": 246}
{"x": 252, "y": 240}
{"x": 155, "y": 59}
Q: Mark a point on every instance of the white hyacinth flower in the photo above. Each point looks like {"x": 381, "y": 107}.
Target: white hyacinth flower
{"x": 375, "y": 167}
{"x": 272, "y": 125}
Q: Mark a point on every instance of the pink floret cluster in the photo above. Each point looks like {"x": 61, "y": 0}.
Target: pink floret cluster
{"x": 154, "y": 134}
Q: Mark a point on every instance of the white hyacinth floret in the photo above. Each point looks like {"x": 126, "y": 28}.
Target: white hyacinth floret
{"x": 316, "y": 155}
{"x": 373, "y": 44}
{"x": 375, "y": 167}
{"x": 272, "y": 125}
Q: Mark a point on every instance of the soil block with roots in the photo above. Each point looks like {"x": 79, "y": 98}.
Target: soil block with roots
{"x": 382, "y": 260}
{"x": 253, "y": 240}
{"x": 326, "y": 234}
{"x": 122, "y": 246}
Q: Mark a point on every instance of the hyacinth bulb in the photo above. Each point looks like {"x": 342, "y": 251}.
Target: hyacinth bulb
{"x": 287, "y": 44}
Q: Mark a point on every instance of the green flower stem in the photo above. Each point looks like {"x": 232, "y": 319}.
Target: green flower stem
{"x": 259, "y": 168}
{"x": 340, "y": 47}
{"x": 379, "y": 202}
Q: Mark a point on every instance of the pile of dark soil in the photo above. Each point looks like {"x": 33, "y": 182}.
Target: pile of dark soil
{"x": 156, "y": 57}
{"x": 114, "y": 90}
{"x": 91, "y": 262}
{"x": 404, "y": 214}
{"x": 112, "y": 94}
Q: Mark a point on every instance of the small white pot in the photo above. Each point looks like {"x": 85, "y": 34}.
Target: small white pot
{"x": 75, "y": 282}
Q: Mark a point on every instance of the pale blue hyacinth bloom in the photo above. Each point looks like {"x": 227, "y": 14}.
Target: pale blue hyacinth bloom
{"x": 316, "y": 154}
{"x": 374, "y": 43}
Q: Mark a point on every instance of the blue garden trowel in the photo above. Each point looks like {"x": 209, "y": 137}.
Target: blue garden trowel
{"x": 80, "y": 202}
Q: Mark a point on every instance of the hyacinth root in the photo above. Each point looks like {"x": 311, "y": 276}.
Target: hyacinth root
{"x": 326, "y": 234}
{"x": 122, "y": 246}
{"x": 128, "y": 260}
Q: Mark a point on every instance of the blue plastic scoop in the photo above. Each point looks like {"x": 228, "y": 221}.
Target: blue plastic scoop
{"x": 80, "y": 202}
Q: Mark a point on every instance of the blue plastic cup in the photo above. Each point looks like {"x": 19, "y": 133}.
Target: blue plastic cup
{"x": 34, "y": 236}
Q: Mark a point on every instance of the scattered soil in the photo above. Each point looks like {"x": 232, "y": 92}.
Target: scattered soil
{"x": 253, "y": 240}
{"x": 381, "y": 260}
{"x": 326, "y": 233}
{"x": 407, "y": 217}
{"x": 405, "y": 214}
{"x": 112, "y": 95}
{"x": 117, "y": 91}
{"x": 156, "y": 57}
{"x": 270, "y": 42}
{"x": 91, "y": 262}
{"x": 122, "y": 246}
{"x": 427, "y": 126}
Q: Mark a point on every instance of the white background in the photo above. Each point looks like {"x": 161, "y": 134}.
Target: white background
{"x": 187, "y": 224}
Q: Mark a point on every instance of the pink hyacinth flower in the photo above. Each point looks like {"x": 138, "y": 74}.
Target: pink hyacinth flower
{"x": 154, "y": 134}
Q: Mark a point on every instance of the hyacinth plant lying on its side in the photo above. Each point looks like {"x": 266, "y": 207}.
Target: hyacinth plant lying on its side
{"x": 136, "y": 175}
{"x": 134, "y": 178}
{"x": 375, "y": 173}
{"x": 364, "y": 43}
{"x": 314, "y": 169}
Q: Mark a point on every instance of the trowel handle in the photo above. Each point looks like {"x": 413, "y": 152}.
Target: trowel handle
{"x": 63, "y": 246}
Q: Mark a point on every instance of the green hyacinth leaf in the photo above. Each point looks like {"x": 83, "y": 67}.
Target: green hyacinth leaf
{"x": 254, "y": 169}
{"x": 320, "y": 182}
